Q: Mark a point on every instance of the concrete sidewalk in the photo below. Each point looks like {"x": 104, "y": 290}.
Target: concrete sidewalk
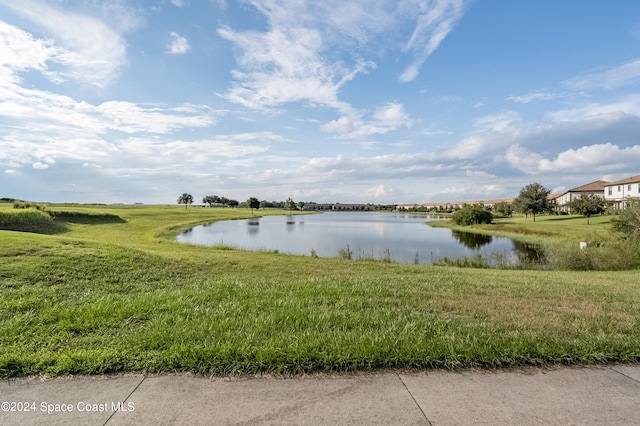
{"x": 560, "y": 396}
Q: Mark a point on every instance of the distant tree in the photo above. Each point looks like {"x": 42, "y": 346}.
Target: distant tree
{"x": 233, "y": 203}
{"x": 290, "y": 204}
{"x": 210, "y": 199}
{"x": 267, "y": 204}
{"x": 253, "y": 203}
{"x": 627, "y": 220}
{"x": 533, "y": 199}
{"x": 186, "y": 199}
{"x": 472, "y": 215}
{"x": 301, "y": 205}
{"x": 587, "y": 205}
{"x": 503, "y": 209}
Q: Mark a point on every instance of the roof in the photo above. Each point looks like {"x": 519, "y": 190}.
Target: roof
{"x": 590, "y": 187}
{"x": 632, "y": 179}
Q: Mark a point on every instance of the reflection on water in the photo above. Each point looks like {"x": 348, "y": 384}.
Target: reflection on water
{"x": 253, "y": 225}
{"x": 471, "y": 240}
{"x": 400, "y": 237}
{"x": 529, "y": 252}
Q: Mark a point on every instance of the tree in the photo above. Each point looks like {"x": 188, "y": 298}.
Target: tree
{"x": 472, "y": 214}
{"x": 503, "y": 209}
{"x": 533, "y": 199}
{"x": 211, "y": 200}
{"x": 627, "y": 221}
{"x": 587, "y": 205}
{"x": 253, "y": 203}
{"x": 290, "y": 204}
{"x": 186, "y": 199}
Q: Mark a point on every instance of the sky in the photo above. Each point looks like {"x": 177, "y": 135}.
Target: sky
{"x": 351, "y": 101}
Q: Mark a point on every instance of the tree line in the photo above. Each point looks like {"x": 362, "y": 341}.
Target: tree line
{"x": 252, "y": 203}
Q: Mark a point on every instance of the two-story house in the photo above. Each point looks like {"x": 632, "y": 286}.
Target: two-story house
{"x": 617, "y": 192}
{"x": 594, "y": 188}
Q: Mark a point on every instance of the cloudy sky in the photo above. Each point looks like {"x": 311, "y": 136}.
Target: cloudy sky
{"x": 405, "y": 101}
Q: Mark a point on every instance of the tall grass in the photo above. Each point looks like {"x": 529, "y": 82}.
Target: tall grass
{"x": 28, "y": 220}
{"x": 605, "y": 254}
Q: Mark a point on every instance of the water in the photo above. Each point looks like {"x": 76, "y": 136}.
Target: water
{"x": 400, "y": 237}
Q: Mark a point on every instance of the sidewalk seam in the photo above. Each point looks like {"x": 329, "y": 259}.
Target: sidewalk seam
{"x": 414, "y": 400}
{"x": 625, "y": 375}
{"x": 125, "y": 400}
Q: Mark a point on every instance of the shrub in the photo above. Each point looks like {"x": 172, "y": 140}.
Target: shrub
{"x": 470, "y": 215}
{"x": 19, "y": 204}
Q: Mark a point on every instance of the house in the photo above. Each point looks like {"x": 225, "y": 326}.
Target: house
{"x": 617, "y": 192}
{"x": 593, "y": 188}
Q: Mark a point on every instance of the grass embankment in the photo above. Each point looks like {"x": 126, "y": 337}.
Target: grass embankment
{"x": 560, "y": 238}
{"x": 115, "y": 297}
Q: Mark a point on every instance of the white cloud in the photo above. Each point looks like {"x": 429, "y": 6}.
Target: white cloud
{"x": 380, "y": 191}
{"x": 385, "y": 119}
{"x": 296, "y": 58}
{"x": 535, "y": 96}
{"x": 85, "y": 47}
{"x": 40, "y": 166}
{"x": 607, "y": 79}
{"x": 9, "y": 171}
{"x": 179, "y": 45}
{"x": 499, "y": 122}
{"x": 20, "y": 51}
{"x": 629, "y": 106}
{"x": 596, "y": 158}
{"x": 436, "y": 20}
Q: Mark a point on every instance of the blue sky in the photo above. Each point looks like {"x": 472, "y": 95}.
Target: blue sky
{"x": 406, "y": 101}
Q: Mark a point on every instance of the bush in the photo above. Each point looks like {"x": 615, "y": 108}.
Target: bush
{"x": 19, "y": 204}
{"x": 472, "y": 215}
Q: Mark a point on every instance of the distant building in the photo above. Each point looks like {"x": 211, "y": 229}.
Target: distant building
{"x": 453, "y": 205}
{"x": 594, "y": 188}
{"x": 317, "y": 206}
{"x": 619, "y": 191}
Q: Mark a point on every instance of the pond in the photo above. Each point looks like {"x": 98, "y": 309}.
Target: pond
{"x": 399, "y": 237}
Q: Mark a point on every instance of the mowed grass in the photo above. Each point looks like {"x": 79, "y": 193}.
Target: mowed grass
{"x": 121, "y": 296}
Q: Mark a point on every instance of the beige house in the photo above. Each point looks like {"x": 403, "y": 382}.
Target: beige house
{"x": 593, "y": 188}
{"x": 617, "y": 192}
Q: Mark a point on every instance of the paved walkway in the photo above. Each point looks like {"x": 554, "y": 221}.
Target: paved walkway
{"x": 607, "y": 395}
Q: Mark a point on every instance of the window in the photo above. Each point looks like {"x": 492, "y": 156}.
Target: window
{"x": 619, "y": 187}
{"x": 609, "y": 190}
{"x": 629, "y": 187}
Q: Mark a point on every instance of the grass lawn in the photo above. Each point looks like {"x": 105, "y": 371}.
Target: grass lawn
{"x": 109, "y": 291}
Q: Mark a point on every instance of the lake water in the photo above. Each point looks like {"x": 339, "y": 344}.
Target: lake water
{"x": 402, "y": 237}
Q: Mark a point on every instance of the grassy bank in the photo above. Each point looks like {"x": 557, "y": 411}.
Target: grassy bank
{"x": 119, "y": 295}
{"x": 560, "y": 238}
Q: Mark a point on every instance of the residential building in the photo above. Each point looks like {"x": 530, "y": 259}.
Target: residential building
{"x": 593, "y": 188}
{"x": 619, "y": 191}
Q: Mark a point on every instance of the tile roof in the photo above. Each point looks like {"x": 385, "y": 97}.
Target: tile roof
{"x": 632, "y": 179}
{"x": 593, "y": 186}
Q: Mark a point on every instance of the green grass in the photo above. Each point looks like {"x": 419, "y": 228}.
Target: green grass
{"x": 560, "y": 237}
{"x": 120, "y": 295}
{"x": 28, "y": 220}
